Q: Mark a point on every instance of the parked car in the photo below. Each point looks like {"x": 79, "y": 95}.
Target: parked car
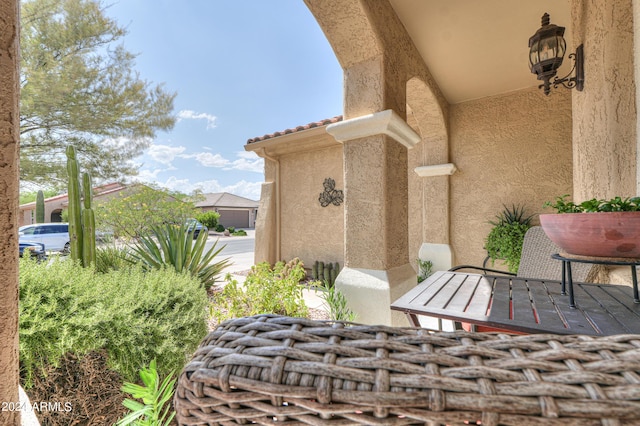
{"x": 54, "y": 236}
{"x": 197, "y": 227}
{"x": 34, "y": 249}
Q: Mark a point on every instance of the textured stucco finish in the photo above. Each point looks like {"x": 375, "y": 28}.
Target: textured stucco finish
{"x": 604, "y": 114}
{"x": 266, "y": 238}
{"x": 509, "y": 149}
{"x": 310, "y": 231}
{"x": 9, "y": 172}
{"x": 296, "y": 165}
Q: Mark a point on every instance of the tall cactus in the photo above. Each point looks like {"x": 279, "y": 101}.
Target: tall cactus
{"x": 88, "y": 223}
{"x": 40, "y": 207}
{"x": 75, "y": 208}
{"x": 82, "y": 225}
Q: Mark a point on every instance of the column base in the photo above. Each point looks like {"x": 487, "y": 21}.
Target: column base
{"x": 370, "y": 293}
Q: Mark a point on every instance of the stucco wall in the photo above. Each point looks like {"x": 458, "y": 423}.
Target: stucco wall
{"x": 509, "y": 149}
{"x": 310, "y": 231}
{"x": 605, "y": 112}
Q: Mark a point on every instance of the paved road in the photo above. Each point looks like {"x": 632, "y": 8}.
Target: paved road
{"x": 234, "y": 245}
{"x": 238, "y": 249}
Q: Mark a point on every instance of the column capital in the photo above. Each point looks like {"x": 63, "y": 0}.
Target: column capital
{"x": 385, "y": 122}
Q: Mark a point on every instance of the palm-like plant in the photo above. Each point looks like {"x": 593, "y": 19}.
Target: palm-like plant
{"x": 173, "y": 245}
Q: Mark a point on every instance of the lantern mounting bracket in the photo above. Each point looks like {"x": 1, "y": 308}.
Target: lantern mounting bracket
{"x": 577, "y": 81}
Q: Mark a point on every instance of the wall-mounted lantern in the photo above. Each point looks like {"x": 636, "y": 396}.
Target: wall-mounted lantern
{"x": 546, "y": 52}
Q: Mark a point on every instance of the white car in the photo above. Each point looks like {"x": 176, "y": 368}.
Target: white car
{"x": 54, "y": 236}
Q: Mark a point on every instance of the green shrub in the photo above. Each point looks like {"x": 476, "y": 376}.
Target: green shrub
{"x": 208, "y": 219}
{"x": 274, "y": 290}
{"x": 336, "y": 303}
{"x": 220, "y": 228}
{"x": 507, "y": 235}
{"x": 155, "y": 408}
{"x": 425, "y": 269}
{"x": 173, "y": 246}
{"x": 240, "y": 233}
{"x": 231, "y": 229}
{"x": 135, "y": 316}
{"x": 616, "y": 204}
{"x": 110, "y": 258}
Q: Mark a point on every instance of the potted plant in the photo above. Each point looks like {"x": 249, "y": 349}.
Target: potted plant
{"x": 504, "y": 242}
{"x": 595, "y": 228}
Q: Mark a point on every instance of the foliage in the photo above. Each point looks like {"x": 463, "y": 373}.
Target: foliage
{"x": 82, "y": 223}
{"x": 173, "y": 246}
{"x": 231, "y": 229}
{"x": 325, "y": 271}
{"x": 134, "y": 211}
{"x": 30, "y": 196}
{"x": 514, "y": 214}
{"x": 507, "y": 235}
{"x": 274, "y": 290}
{"x": 155, "y": 409}
{"x": 616, "y": 204}
{"x": 40, "y": 207}
{"x": 79, "y": 87}
{"x": 110, "y": 258}
{"x": 425, "y": 269}
{"x": 336, "y": 302}
{"x": 135, "y": 316}
{"x": 220, "y": 228}
{"x": 208, "y": 219}
{"x": 240, "y": 233}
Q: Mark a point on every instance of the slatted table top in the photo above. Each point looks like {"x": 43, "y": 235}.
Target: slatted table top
{"x": 523, "y": 304}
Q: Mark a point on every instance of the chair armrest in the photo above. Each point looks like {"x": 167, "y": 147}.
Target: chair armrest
{"x": 479, "y": 268}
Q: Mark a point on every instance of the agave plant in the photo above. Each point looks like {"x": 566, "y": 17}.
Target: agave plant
{"x": 174, "y": 246}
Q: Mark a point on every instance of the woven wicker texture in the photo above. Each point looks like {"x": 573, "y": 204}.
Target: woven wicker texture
{"x": 536, "y": 261}
{"x": 279, "y": 370}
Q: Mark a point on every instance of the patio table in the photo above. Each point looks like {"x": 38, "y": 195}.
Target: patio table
{"x": 522, "y": 304}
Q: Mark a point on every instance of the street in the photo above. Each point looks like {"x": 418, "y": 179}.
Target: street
{"x": 238, "y": 249}
{"x": 234, "y": 245}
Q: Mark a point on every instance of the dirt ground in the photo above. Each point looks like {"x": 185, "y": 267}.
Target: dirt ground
{"x": 88, "y": 391}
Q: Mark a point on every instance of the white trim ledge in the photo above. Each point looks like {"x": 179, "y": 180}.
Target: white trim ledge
{"x": 436, "y": 170}
{"x": 385, "y": 122}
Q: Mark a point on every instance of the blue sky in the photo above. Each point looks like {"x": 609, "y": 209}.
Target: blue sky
{"x": 241, "y": 69}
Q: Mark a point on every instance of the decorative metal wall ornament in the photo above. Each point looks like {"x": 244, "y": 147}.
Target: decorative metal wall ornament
{"x": 331, "y": 195}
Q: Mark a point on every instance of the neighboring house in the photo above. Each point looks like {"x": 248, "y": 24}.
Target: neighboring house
{"x": 443, "y": 125}
{"x": 54, "y": 206}
{"x": 234, "y": 210}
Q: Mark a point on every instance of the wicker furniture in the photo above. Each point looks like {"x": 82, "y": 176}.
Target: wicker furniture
{"x": 279, "y": 370}
{"x": 536, "y": 261}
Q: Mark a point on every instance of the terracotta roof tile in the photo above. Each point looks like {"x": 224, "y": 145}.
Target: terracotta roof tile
{"x": 296, "y": 129}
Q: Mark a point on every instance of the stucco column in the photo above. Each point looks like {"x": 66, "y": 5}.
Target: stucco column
{"x": 9, "y": 184}
{"x": 636, "y": 61}
{"x": 604, "y": 113}
{"x": 377, "y": 269}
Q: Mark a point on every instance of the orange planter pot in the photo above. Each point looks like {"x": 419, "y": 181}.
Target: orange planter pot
{"x": 607, "y": 234}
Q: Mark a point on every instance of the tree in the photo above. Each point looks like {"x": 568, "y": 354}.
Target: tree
{"x": 79, "y": 87}
{"x": 134, "y": 211}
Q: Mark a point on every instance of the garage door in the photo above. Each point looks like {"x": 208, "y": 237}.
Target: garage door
{"x": 235, "y": 218}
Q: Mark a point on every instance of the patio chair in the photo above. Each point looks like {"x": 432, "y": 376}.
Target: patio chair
{"x": 536, "y": 261}
{"x": 272, "y": 370}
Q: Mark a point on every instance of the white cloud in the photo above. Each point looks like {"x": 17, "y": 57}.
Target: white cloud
{"x": 256, "y": 165}
{"x": 165, "y": 154}
{"x": 147, "y": 175}
{"x": 187, "y": 114}
{"x": 242, "y": 188}
{"x": 208, "y": 159}
{"x": 247, "y": 163}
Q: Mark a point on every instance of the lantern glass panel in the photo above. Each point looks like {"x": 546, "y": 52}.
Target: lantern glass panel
{"x": 534, "y": 56}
